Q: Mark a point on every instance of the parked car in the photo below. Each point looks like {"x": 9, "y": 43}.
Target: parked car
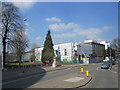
{"x": 105, "y": 65}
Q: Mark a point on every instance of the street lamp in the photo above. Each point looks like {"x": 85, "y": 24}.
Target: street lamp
{"x": 24, "y": 52}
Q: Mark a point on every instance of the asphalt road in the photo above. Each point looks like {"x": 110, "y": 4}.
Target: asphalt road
{"x": 102, "y": 78}
{"x": 25, "y": 82}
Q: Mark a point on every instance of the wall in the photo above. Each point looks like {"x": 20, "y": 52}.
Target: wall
{"x": 69, "y": 47}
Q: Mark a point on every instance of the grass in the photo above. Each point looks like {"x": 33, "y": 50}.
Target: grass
{"x": 32, "y": 63}
{"x": 25, "y": 63}
{"x": 67, "y": 63}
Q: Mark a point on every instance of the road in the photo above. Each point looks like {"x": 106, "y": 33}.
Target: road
{"x": 25, "y": 82}
{"x": 102, "y": 78}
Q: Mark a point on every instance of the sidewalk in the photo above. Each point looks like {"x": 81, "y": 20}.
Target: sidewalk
{"x": 18, "y": 72}
{"x": 59, "y": 82}
{"x": 66, "y": 81}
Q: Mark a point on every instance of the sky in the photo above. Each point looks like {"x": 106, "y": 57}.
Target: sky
{"x": 70, "y": 21}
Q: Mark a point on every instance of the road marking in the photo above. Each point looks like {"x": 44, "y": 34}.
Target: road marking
{"x": 112, "y": 71}
{"x": 75, "y": 79}
{"x": 116, "y": 68}
{"x": 97, "y": 68}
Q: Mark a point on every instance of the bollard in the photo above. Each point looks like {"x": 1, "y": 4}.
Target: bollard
{"x": 82, "y": 70}
{"x": 87, "y": 73}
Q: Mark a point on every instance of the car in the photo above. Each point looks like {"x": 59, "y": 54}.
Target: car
{"x": 105, "y": 65}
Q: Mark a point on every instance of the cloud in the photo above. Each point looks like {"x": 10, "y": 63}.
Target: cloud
{"x": 74, "y": 30}
{"x": 106, "y": 28}
{"x": 65, "y": 35}
{"x": 26, "y": 33}
{"x": 53, "y": 19}
{"x": 27, "y": 28}
{"x": 90, "y": 33}
{"x": 26, "y": 24}
{"x": 62, "y": 26}
{"x": 38, "y": 38}
{"x": 23, "y": 4}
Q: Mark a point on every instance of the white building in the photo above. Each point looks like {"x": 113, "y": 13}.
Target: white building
{"x": 66, "y": 51}
{"x": 86, "y": 52}
{"x": 106, "y": 44}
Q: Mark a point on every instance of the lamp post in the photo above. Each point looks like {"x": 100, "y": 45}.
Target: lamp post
{"x": 24, "y": 52}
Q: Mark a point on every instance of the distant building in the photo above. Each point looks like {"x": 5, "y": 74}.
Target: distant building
{"x": 12, "y": 57}
{"x": 97, "y": 48}
{"x": 106, "y": 44}
{"x": 92, "y": 50}
{"x": 27, "y": 56}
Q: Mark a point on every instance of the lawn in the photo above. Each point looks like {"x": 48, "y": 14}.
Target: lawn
{"x": 67, "y": 63}
{"x": 25, "y": 63}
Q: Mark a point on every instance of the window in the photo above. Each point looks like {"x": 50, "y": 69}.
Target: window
{"x": 65, "y": 52}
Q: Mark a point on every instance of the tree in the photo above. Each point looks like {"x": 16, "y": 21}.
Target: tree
{"x": 116, "y": 43}
{"x": 33, "y": 46}
{"x": 48, "y": 51}
{"x": 11, "y": 22}
{"x": 20, "y": 43}
{"x": 110, "y": 52}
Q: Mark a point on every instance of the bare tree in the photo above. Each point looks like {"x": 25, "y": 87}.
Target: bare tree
{"x": 33, "y": 46}
{"x": 11, "y": 22}
{"x": 20, "y": 43}
{"x": 116, "y": 43}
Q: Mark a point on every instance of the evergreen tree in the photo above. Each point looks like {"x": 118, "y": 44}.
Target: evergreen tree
{"x": 48, "y": 51}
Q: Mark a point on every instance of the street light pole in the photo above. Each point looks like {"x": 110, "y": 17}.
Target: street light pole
{"x": 24, "y": 53}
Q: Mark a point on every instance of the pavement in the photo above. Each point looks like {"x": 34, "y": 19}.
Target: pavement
{"x": 66, "y": 81}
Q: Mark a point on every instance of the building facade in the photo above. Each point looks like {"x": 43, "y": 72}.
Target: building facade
{"x": 85, "y": 52}
{"x": 65, "y": 51}
{"x": 92, "y": 50}
{"x": 106, "y": 44}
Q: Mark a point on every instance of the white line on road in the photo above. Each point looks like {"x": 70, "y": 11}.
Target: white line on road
{"x": 97, "y": 68}
{"x": 112, "y": 71}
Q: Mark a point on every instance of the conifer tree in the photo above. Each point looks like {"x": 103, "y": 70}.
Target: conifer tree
{"x": 48, "y": 51}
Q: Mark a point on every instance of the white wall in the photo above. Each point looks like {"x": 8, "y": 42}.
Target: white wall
{"x": 38, "y": 53}
{"x": 60, "y": 47}
{"x": 106, "y": 44}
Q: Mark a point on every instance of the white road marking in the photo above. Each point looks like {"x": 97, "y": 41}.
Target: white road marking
{"x": 113, "y": 71}
{"x": 116, "y": 68}
{"x": 75, "y": 79}
{"x": 97, "y": 68}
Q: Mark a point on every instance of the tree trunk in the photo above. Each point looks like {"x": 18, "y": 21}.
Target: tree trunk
{"x": 19, "y": 60}
{"x": 4, "y": 52}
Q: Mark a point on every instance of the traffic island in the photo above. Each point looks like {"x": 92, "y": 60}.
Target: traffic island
{"x": 67, "y": 81}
